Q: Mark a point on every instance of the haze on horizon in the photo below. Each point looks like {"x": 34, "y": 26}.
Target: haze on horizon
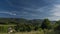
{"x": 30, "y": 9}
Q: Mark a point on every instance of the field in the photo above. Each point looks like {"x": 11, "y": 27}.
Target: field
{"x": 35, "y": 32}
{"x": 32, "y": 32}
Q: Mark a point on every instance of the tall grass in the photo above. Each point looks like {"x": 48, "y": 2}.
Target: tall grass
{"x": 4, "y": 28}
{"x": 36, "y": 32}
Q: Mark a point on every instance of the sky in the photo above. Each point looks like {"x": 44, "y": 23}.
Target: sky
{"x": 30, "y": 9}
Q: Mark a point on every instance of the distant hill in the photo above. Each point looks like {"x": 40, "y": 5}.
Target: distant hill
{"x": 21, "y": 20}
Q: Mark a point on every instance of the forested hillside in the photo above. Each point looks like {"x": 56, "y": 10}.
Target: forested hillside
{"x": 20, "y": 20}
{"x": 17, "y": 20}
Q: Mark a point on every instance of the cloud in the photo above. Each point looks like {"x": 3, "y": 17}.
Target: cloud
{"x": 55, "y": 12}
{"x": 53, "y": 1}
{"x": 31, "y": 8}
{"x": 10, "y": 13}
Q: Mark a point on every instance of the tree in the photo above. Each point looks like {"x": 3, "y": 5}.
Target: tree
{"x": 57, "y": 29}
{"x": 58, "y": 22}
{"x": 46, "y": 24}
{"x": 57, "y": 25}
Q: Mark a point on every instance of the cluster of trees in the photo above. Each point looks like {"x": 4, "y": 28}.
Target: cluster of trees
{"x": 30, "y": 25}
{"x": 27, "y": 27}
{"x": 35, "y": 25}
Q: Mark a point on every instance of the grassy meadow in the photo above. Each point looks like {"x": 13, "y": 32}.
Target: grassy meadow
{"x": 32, "y": 32}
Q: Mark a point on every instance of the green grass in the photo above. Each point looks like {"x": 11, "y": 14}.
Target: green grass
{"x": 32, "y": 32}
{"x": 8, "y": 25}
{"x": 4, "y": 28}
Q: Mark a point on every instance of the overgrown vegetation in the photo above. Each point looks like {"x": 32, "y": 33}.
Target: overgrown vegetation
{"x": 24, "y": 25}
